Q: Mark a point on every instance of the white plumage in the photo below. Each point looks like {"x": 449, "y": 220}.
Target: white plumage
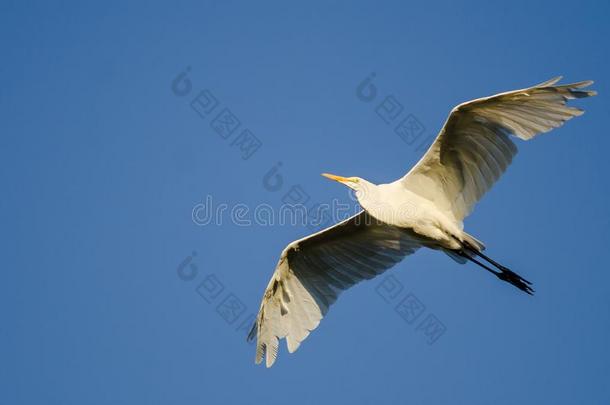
{"x": 425, "y": 208}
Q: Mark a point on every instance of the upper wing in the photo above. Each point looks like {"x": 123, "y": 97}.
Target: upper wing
{"x": 474, "y": 148}
{"x": 313, "y": 271}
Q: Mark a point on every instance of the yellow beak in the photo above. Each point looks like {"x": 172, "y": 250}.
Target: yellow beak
{"x": 340, "y": 179}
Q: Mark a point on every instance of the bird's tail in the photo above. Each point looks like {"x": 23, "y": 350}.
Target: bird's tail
{"x": 468, "y": 242}
{"x": 472, "y": 242}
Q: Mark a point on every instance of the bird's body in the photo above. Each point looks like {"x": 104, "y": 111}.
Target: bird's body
{"x": 425, "y": 208}
{"x": 396, "y": 205}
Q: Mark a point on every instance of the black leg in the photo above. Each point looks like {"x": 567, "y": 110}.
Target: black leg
{"x": 498, "y": 265}
{"x": 472, "y": 259}
{"x": 504, "y": 274}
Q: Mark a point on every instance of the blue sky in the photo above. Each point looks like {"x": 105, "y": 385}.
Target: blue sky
{"x": 103, "y": 163}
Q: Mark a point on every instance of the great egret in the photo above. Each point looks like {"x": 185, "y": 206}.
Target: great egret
{"x": 425, "y": 208}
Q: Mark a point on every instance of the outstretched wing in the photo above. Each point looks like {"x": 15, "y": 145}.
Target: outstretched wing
{"x": 313, "y": 271}
{"x": 474, "y": 148}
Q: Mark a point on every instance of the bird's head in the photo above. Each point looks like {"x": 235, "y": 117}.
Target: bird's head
{"x": 357, "y": 184}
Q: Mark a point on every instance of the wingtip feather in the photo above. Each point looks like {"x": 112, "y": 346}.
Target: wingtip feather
{"x": 549, "y": 82}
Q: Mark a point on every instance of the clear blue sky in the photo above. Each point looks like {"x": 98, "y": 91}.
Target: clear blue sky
{"x": 102, "y": 164}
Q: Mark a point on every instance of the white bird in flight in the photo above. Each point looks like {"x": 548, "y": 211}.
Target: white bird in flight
{"x": 425, "y": 208}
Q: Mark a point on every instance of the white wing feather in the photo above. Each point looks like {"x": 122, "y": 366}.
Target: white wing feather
{"x": 474, "y": 148}
{"x": 313, "y": 271}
